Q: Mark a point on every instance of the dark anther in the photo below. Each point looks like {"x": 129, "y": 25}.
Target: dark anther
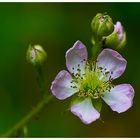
{"x": 74, "y": 86}
{"x": 77, "y": 74}
{"x": 100, "y": 68}
{"x": 78, "y": 70}
{"x": 106, "y": 72}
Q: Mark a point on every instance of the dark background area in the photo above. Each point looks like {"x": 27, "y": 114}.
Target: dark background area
{"x": 56, "y": 26}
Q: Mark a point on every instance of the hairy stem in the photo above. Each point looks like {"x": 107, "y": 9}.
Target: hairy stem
{"x": 29, "y": 116}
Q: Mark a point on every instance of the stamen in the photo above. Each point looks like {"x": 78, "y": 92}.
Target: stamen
{"x": 78, "y": 69}
{"x": 100, "y": 68}
{"x": 106, "y": 72}
{"x": 94, "y": 82}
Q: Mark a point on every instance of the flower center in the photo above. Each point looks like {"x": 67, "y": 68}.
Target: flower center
{"x": 94, "y": 82}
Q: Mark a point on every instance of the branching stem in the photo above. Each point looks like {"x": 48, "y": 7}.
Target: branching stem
{"x": 29, "y": 116}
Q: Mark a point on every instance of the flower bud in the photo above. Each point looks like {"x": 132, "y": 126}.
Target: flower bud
{"x": 101, "y": 25}
{"x": 36, "y": 55}
{"x": 117, "y": 39}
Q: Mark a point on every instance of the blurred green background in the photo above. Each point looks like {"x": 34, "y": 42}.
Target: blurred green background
{"x": 56, "y": 26}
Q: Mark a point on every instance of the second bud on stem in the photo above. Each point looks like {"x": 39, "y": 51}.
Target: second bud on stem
{"x": 117, "y": 39}
{"x": 36, "y": 55}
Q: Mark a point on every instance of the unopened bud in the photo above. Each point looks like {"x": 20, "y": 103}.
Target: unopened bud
{"x": 101, "y": 25}
{"x": 36, "y": 55}
{"x": 117, "y": 39}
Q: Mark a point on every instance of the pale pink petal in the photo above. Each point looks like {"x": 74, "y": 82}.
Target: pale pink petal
{"x": 112, "y": 61}
{"x": 120, "y": 98}
{"x": 119, "y": 29}
{"x": 76, "y": 58}
{"x": 62, "y": 87}
{"x": 85, "y": 111}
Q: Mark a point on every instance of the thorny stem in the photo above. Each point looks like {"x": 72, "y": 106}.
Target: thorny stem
{"x": 29, "y": 116}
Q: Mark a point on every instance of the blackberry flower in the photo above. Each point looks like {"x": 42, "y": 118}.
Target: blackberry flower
{"x": 92, "y": 81}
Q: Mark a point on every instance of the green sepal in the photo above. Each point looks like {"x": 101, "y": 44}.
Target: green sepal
{"x": 123, "y": 42}
{"x": 97, "y": 103}
{"x": 76, "y": 100}
{"x": 101, "y": 25}
{"x": 113, "y": 42}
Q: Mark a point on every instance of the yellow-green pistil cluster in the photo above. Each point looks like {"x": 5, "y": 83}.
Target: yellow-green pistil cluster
{"x": 93, "y": 83}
